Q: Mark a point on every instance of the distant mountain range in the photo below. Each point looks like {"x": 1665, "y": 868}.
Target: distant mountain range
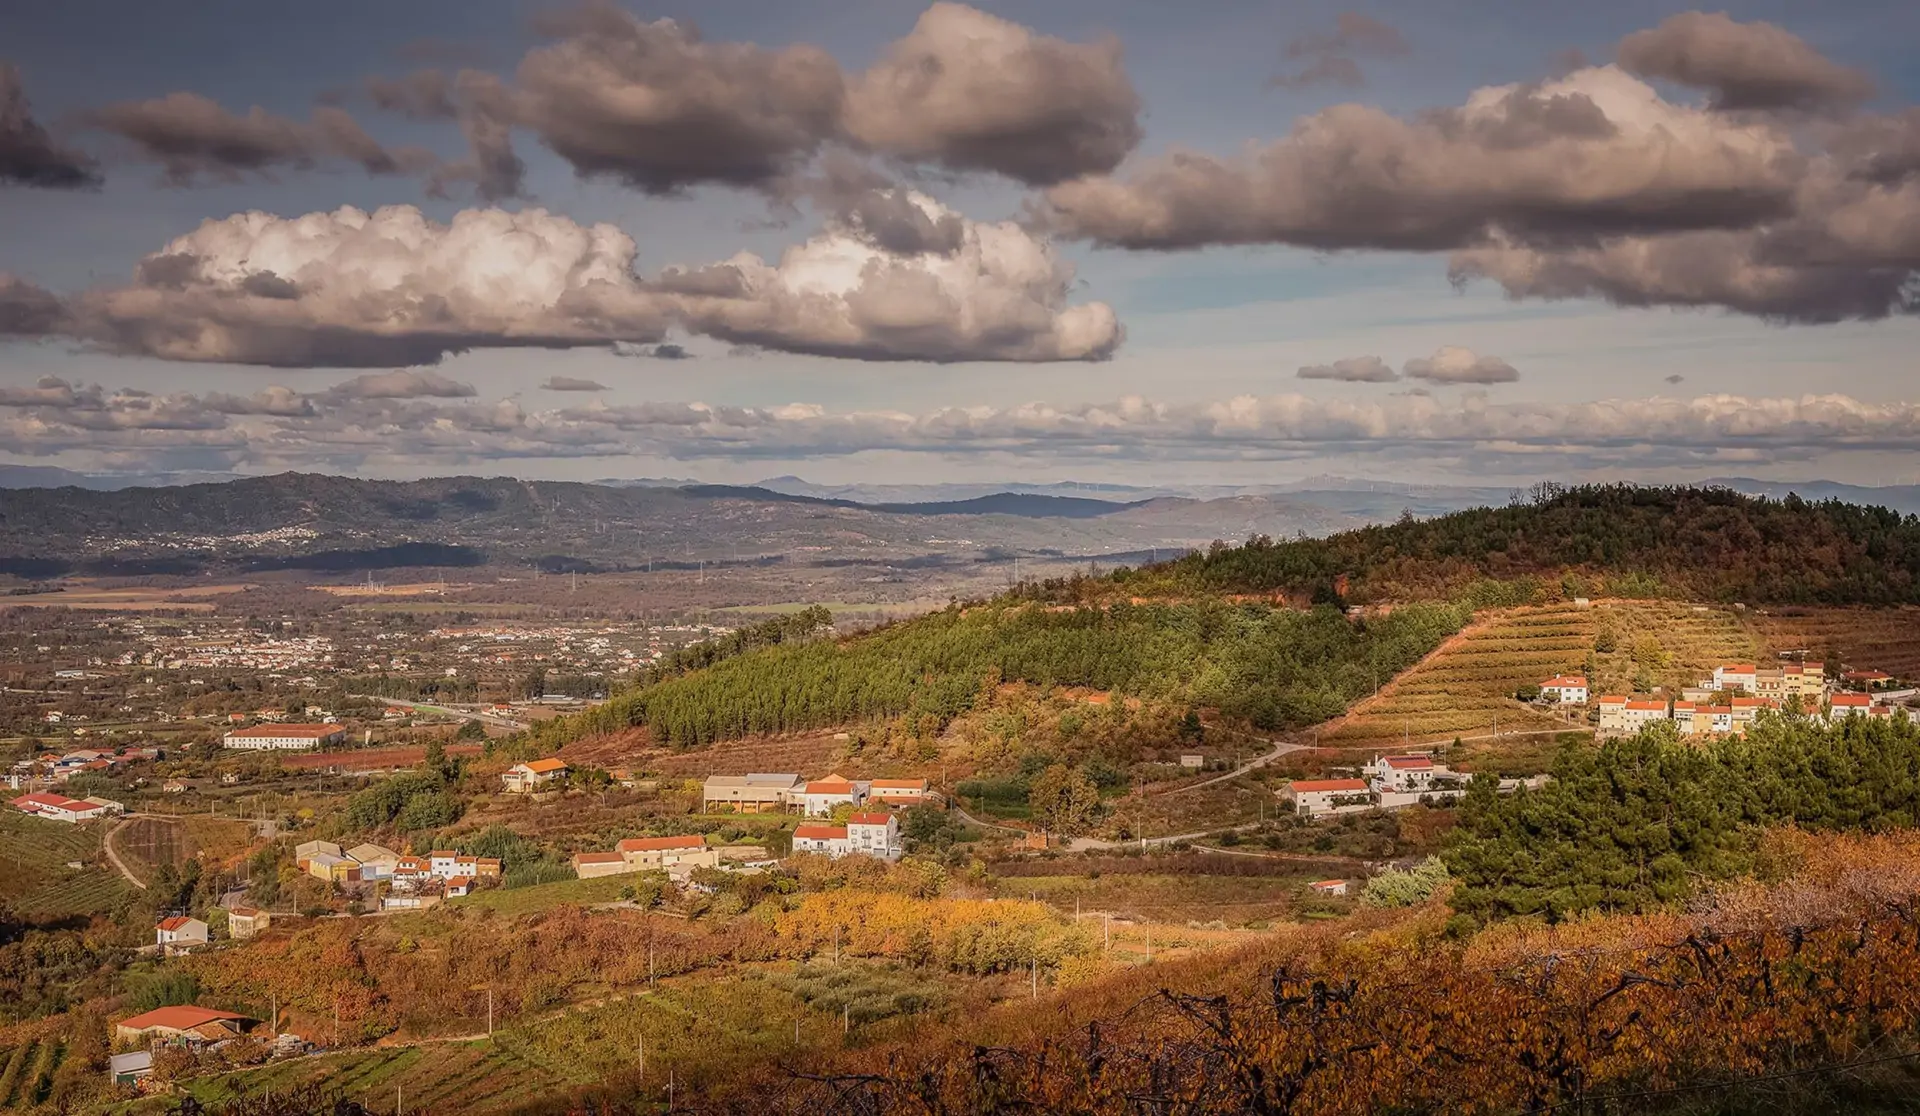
{"x": 319, "y": 522}
{"x": 309, "y": 521}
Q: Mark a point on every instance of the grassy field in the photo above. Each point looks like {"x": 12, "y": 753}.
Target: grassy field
{"x": 1864, "y": 639}
{"x": 526, "y": 900}
{"x": 36, "y": 880}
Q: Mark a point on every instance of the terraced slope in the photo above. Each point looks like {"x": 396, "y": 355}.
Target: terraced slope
{"x": 38, "y": 883}
{"x": 1864, "y": 639}
{"x": 1466, "y": 687}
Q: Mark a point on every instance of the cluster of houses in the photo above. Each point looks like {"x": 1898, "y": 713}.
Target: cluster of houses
{"x": 817, "y": 798}
{"x": 181, "y": 933}
{"x": 869, "y": 830}
{"x": 1387, "y": 783}
{"x": 413, "y": 881}
{"x": 58, "y": 807}
{"x": 1728, "y": 702}
{"x": 51, "y": 768}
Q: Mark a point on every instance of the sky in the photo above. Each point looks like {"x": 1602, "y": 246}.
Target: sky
{"x": 871, "y": 240}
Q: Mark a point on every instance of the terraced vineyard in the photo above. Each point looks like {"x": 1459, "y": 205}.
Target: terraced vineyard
{"x": 26, "y": 1073}
{"x": 1466, "y": 687}
{"x": 38, "y": 882}
{"x": 698, "y": 1029}
{"x": 1864, "y": 639}
{"x": 1666, "y": 643}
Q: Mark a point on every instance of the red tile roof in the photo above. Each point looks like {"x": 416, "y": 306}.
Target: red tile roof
{"x": 1408, "y": 763}
{"x": 1853, "y": 701}
{"x": 832, "y": 784}
{"x": 661, "y": 844}
{"x": 547, "y": 766}
{"x": 1646, "y": 705}
{"x": 181, "y": 1017}
{"x": 1579, "y": 680}
{"x": 869, "y": 819}
{"x": 598, "y": 858}
{"x": 174, "y": 923}
{"x": 1327, "y": 785}
{"x": 821, "y": 832}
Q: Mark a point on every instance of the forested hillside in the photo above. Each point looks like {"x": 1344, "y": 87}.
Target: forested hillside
{"x": 1274, "y": 667}
{"x": 1712, "y": 544}
{"x": 1639, "y": 822}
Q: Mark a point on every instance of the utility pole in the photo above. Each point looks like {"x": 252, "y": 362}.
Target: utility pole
{"x": 1149, "y": 941}
{"x": 1106, "y": 931}
{"x": 643, "y": 1056}
{"x": 1033, "y": 978}
{"x": 846, "y": 1018}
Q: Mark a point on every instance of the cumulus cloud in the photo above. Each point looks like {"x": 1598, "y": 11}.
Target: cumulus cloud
{"x": 571, "y": 383}
{"x": 352, "y": 290}
{"x": 1595, "y": 152}
{"x": 1451, "y": 364}
{"x": 654, "y": 106}
{"x": 970, "y": 91}
{"x": 1743, "y": 65}
{"x": 1330, "y": 58}
{"x": 1352, "y": 370}
{"x": 1001, "y": 295}
{"x": 29, "y": 156}
{"x": 192, "y": 138}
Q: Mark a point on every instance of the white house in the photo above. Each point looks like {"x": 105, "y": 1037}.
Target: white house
{"x": 1333, "y": 889}
{"x": 284, "y": 738}
{"x": 829, "y": 839}
{"x": 1839, "y": 705}
{"x": 1565, "y": 689}
{"x": 1625, "y": 716}
{"x": 245, "y": 922}
{"x": 1314, "y": 798}
{"x": 530, "y": 776}
{"x": 875, "y": 834}
{"x": 1400, "y": 781}
{"x": 898, "y": 792}
{"x": 1736, "y": 676}
{"x": 823, "y": 795}
{"x": 180, "y": 932}
{"x": 58, "y": 807}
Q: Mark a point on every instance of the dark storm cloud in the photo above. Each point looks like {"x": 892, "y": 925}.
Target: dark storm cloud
{"x": 193, "y": 138}
{"x": 29, "y": 156}
{"x": 1743, "y": 65}
{"x": 483, "y": 107}
{"x": 1330, "y": 59}
{"x": 28, "y": 310}
{"x": 972, "y": 92}
{"x": 1544, "y": 161}
{"x": 659, "y": 109}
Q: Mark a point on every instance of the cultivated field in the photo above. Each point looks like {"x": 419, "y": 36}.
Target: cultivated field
{"x": 36, "y": 880}
{"x": 81, "y": 594}
{"x": 1465, "y": 688}
{"x": 1885, "y": 639}
{"x": 370, "y": 758}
